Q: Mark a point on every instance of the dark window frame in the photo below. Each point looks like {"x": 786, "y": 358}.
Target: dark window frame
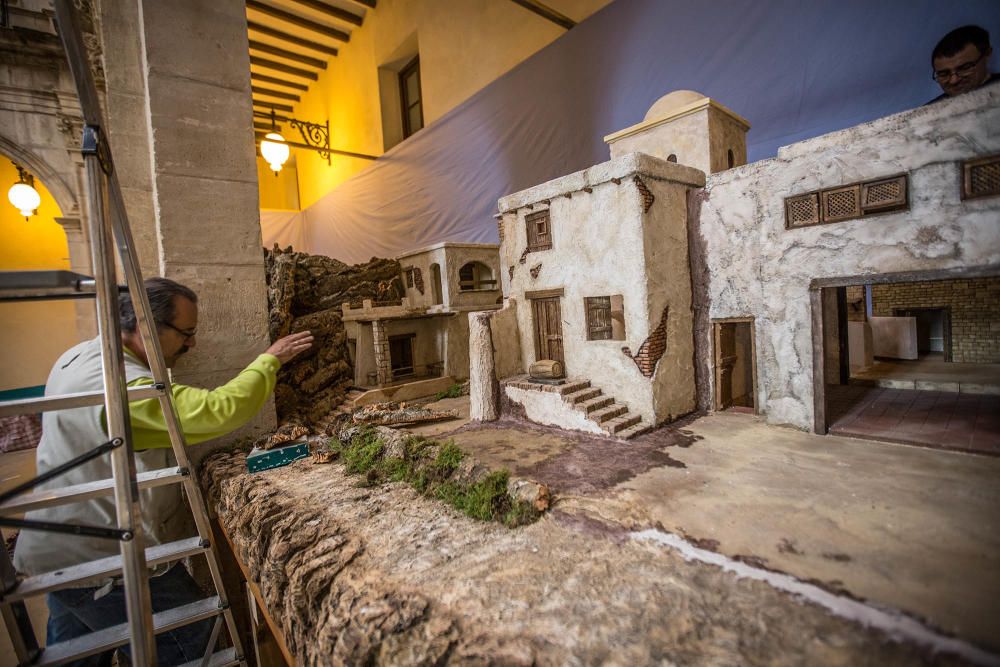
{"x": 406, "y": 104}
{"x": 531, "y": 229}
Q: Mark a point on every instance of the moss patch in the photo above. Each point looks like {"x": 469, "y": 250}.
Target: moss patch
{"x": 454, "y": 391}
{"x": 429, "y": 467}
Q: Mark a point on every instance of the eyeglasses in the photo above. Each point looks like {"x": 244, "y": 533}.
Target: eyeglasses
{"x": 961, "y": 71}
{"x": 185, "y": 334}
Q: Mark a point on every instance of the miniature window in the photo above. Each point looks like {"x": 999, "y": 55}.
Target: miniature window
{"x": 539, "y": 231}
{"x": 848, "y": 202}
{"x": 476, "y": 276}
{"x": 981, "y": 177}
{"x": 409, "y": 278}
{"x": 605, "y": 317}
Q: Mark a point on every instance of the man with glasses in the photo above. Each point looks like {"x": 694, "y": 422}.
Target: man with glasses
{"x": 961, "y": 61}
{"x": 66, "y": 434}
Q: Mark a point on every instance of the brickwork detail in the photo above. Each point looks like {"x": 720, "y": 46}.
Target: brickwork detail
{"x": 647, "y": 195}
{"x": 535, "y": 270}
{"x": 652, "y": 349}
{"x": 418, "y": 279}
{"x": 383, "y": 363}
{"x": 500, "y": 228}
{"x": 975, "y": 312}
{"x": 510, "y": 272}
{"x": 524, "y": 257}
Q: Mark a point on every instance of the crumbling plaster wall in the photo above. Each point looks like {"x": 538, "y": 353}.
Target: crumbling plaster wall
{"x": 597, "y": 241}
{"x": 755, "y": 267}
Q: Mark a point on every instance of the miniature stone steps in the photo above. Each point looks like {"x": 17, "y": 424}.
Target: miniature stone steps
{"x": 612, "y": 417}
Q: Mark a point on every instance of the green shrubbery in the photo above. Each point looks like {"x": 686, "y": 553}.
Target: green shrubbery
{"x": 454, "y": 391}
{"x": 429, "y": 467}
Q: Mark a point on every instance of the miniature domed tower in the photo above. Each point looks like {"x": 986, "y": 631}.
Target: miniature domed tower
{"x": 688, "y": 128}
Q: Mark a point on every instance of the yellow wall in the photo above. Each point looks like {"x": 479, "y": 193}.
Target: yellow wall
{"x": 281, "y": 190}
{"x": 33, "y": 334}
{"x": 463, "y": 46}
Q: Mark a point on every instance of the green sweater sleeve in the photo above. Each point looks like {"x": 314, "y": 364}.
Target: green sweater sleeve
{"x": 205, "y": 413}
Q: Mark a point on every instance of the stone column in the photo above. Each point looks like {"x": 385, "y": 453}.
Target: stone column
{"x": 181, "y": 125}
{"x": 383, "y": 363}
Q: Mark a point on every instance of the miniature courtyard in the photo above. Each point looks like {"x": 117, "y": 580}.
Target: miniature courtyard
{"x": 787, "y": 535}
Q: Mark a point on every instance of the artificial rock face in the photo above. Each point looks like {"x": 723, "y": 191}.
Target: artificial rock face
{"x": 305, "y": 292}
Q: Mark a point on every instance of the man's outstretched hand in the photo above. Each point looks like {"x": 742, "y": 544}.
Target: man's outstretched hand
{"x": 288, "y": 347}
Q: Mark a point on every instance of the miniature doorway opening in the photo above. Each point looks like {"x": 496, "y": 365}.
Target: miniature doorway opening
{"x": 401, "y": 355}
{"x": 735, "y": 365}
{"x": 914, "y": 360}
{"x": 436, "y": 284}
{"x": 547, "y": 314}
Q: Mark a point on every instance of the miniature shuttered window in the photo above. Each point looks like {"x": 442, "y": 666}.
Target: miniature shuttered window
{"x": 857, "y": 200}
{"x": 605, "y": 317}
{"x": 539, "y": 231}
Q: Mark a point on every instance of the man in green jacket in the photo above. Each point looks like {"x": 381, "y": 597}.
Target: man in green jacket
{"x": 204, "y": 414}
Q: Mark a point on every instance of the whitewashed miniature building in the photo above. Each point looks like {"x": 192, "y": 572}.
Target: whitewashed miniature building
{"x": 663, "y": 290}
{"x": 426, "y": 333}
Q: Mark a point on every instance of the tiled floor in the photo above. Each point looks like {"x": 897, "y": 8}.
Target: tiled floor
{"x": 946, "y": 420}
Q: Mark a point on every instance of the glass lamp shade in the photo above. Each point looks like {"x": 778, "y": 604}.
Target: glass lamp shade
{"x": 273, "y": 152}
{"x": 24, "y": 198}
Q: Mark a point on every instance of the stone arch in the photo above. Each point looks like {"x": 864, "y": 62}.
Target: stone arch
{"x": 57, "y": 187}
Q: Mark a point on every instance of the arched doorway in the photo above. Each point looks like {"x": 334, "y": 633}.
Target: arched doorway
{"x": 35, "y": 333}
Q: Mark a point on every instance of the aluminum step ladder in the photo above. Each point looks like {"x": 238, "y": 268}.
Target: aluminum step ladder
{"x": 109, "y": 231}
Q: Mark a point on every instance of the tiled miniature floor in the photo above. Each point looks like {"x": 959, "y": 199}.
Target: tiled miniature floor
{"x": 947, "y": 420}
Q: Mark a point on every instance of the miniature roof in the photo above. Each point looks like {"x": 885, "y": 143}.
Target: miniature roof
{"x": 447, "y": 244}
{"x": 672, "y": 106}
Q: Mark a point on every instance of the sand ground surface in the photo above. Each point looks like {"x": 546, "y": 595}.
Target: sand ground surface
{"x": 381, "y": 573}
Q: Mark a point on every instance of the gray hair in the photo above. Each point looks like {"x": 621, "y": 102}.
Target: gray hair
{"x": 161, "y": 293}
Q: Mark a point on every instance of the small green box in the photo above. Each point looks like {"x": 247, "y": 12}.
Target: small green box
{"x": 265, "y": 459}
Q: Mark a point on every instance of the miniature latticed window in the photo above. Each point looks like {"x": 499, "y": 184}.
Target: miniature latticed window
{"x": 883, "y": 195}
{"x": 539, "y": 231}
{"x": 605, "y": 317}
{"x": 981, "y": 178}
{"x": 802, "y": 211}
{"x": 841, "y": 204}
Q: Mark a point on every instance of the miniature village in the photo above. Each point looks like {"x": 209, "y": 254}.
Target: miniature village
{"x": 685, "y": 405}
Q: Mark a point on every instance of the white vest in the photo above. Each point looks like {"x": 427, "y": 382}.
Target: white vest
{"x": 69, "y": 433}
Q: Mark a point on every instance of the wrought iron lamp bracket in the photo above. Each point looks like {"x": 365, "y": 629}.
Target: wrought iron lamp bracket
{"x": 316, "y": 136}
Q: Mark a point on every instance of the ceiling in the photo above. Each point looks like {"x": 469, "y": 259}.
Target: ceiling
{"x": 291, "y": 42}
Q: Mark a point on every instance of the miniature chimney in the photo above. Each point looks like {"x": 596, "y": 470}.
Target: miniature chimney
{"x": 688, "y": 128}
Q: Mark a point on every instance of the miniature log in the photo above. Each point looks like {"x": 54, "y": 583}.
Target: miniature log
{"x": 547, "y": 369}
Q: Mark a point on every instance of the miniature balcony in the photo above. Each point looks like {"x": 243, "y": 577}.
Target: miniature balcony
{"x": 380, "y": 310}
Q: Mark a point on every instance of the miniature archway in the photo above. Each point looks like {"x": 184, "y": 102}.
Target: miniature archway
{"x": 476, "y": 276}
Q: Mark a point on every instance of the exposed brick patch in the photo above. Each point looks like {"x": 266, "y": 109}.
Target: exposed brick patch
{"x": 535, "y": 270}
{"x": 524, "y": 257}
{"x": 418, "y": 279}
{"x": 975, "y": 312}
{"x": 652, "y": 348}
{"x": 647, "y": 196}
{"x": 510, "y": 272}
{"x": 500, "y": 228}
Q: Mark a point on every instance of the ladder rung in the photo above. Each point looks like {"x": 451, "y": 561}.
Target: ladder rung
{"x": 87, "y": 490}
{"x": 118, "y": 635}
{"x": 223, "y": 658}
{"x": 98, "y": 569}
{"x": 29, "y": 406}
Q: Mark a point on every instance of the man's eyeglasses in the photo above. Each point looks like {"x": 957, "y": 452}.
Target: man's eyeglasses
{"x": 961, "y": 71}
{"x": 185, "y": 334}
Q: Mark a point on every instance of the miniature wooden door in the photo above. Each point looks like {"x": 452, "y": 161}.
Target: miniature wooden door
{"x": 548, "y": 329}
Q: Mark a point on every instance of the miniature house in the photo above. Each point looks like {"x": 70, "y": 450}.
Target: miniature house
{"x": 676, "y": 277}
{"x": 426, "y": 333}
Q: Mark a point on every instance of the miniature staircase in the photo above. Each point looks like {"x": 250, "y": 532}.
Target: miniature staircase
{"x": 610, "y": 416}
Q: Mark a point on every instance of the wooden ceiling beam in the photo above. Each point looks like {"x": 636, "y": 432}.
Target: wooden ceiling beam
{"x": 263, "y": 78}
{"x": 288, "y": 17}
{"x": 270, "y": 92}
{"x": 299, "y": 41}
{"x": 546, "y": 12}
{"x": 273, "y": 105}
{"x": 370, "y": 4}
{"x": 331, "y": 11}
{"x": 282, "y": 67}
{"x": 265, "y": 127}
{"x": 288, "y": 55}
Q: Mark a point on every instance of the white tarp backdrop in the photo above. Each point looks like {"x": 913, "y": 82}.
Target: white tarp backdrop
{"x": 793, "y": 69}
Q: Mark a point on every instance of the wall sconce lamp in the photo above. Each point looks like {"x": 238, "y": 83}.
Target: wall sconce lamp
{"x": 275, "y": 149}
{"x": 23, "y": 194}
